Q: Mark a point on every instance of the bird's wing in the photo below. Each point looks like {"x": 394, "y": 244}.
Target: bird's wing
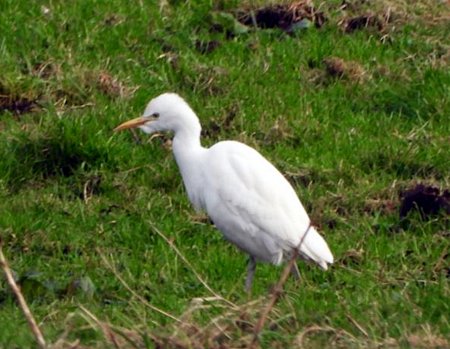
{"x": 251, "y": 202}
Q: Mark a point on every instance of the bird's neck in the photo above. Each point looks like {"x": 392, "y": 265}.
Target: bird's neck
{"x": 186, "y": 141}
{"x": 186, "y": 148}
{"x": 188, "y": 154}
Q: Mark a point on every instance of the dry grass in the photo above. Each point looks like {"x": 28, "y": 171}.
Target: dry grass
{"x": 228, "y": 326}
{"x": 236, "y": 326}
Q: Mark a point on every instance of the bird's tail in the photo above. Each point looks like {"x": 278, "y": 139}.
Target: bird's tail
{"x": 315, "y": 248}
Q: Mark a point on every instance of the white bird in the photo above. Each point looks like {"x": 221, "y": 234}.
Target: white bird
{"x": 245, "y": 196}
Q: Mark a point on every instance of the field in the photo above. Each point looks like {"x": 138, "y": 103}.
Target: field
{"x": 350, "y": 100}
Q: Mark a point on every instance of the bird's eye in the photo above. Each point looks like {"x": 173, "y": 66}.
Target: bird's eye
{"x": 155, "y": 115}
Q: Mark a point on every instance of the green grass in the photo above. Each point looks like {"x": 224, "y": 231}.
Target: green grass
{"x": 72, "y": 191}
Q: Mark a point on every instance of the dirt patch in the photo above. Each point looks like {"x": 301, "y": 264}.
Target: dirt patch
{"x": 428, "y": 200}
{"x": 338, "y": 68}
{"x": 331, "y": 68}
{"x": 372, "y": 16}
{"x": 112, "y": 86}
{"x": 365, "y": 21}
{"x": 47, "y": 70}
{"x": 335, "y": 67}
{"x": 214, "y": 127}
{"x": 17, "y": 105}
{"x": 205, "y": 47}
{"x": 285, "y": 16}
{"x": 113, "y": 19}
{"x": 281, "y": 130}
{"x": 352, "y": 257}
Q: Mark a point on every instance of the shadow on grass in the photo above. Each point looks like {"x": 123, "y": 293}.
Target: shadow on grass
{"x": 53, "y": 153}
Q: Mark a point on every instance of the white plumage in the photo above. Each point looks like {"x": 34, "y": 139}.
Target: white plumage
{"x": 245, "y": 196}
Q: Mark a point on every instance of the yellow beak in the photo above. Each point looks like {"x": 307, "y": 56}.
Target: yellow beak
{"x": 132, "y": 123}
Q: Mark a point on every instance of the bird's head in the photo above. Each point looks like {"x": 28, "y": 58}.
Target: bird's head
{"x": 167, "y": 112}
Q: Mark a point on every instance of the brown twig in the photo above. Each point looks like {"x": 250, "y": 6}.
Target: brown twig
{"x": 358, "y": 326}
{"x": 277, "y": 290}
{"x": 22, "y": 303}
{"x": 313, "y": 328}
{"x": 339, "y": 335}
{"x": 441, "y": 260}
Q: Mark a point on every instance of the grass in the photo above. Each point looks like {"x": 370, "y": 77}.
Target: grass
{"x": 73, "y": 193}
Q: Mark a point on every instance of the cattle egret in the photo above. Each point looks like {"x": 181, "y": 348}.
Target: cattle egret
{"x": 245, "y": 196}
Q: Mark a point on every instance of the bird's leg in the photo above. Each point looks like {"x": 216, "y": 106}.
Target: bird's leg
{"x": 250, "y": 273}
{"x": 295, "y": 272}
